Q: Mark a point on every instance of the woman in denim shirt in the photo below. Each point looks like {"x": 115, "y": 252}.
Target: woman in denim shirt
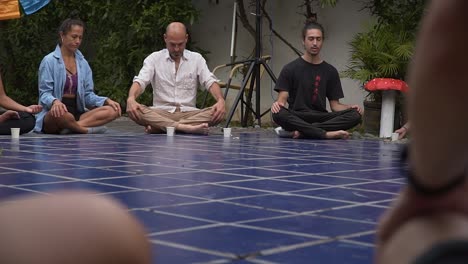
{"x": 66, "y": 89}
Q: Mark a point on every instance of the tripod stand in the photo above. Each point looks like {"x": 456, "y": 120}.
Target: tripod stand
{"x": 253, "y": 74}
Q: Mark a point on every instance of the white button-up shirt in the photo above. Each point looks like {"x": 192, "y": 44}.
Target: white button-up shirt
{"x": 173, "y": 88}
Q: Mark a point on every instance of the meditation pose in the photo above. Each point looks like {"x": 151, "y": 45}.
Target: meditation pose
{"x": 174, "y": 73}
{"x": 304, "y": 85}
{"x": 66, "y": 89}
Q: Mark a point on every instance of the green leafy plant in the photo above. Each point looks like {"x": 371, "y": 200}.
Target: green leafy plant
{"x": 386, "y": 48}
{"x": 382, "y": 52}
{"x": 405, "y": 14}
{"x": 118, "y": 36}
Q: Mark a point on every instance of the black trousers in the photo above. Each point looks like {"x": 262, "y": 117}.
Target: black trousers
{"x": 314, "y": 124}
{"x": 26, "y": 123}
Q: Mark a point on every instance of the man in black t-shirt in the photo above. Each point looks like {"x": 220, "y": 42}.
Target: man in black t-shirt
{"x": 305, "y": 84}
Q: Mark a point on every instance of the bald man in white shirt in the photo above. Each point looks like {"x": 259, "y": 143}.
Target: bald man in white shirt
{"x": 174, "y": 73}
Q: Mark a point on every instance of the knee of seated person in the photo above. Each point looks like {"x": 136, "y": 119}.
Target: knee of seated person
{"x": 112, "y": 112}
{"x": 26, "y": 115}
{"x": 26, "y": 129}
{"x": 115, "y": 114}
{"x": 276, "y": 118}
{"x": 280, "y": 113}
{"x": 67, "y": 116}
{"x": 70, "y": 227}
{"x": 356, "y": 113}
{"x": 29, "y": 124}
{"x": 420, "y": 235}
{"x": 356, "y": 116}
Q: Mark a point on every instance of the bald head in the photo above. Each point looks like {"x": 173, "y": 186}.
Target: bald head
{"x": 176, "y": 37}
{"x": 176, "y": 27}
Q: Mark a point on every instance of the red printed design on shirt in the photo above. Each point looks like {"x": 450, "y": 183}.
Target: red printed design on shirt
{"x": 316, "y": 90}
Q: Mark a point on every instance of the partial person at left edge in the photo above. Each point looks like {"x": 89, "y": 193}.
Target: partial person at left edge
{"x": 66, "y": 89}
{"x": 14, "y": 114}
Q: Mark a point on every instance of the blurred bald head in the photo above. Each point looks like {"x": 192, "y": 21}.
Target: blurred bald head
{"x": 58, "y": 229}
{"x": 176, "y": 38}
{"x": 176, "y": 27}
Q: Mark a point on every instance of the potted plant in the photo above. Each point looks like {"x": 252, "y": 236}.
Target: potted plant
{"x": 384, "y": 51}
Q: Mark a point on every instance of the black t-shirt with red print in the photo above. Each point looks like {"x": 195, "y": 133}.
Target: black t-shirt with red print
{"x": 309, "y": 85}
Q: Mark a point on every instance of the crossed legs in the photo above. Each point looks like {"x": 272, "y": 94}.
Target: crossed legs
{"x": 93, "y": 118}
{"x": 317, "y": 125}
{"x": 26, "y": 123}
{"x": 194, "y": 122}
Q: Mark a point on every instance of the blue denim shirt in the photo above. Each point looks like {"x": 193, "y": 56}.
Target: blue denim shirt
{"x": 52, "y": 75}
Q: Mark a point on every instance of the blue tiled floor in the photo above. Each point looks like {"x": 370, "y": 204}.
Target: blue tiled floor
{"x": 251, "y": 198}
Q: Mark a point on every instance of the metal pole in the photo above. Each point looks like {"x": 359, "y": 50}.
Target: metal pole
{"x": 233, "y": 33}
{"x": 258, "y": 54}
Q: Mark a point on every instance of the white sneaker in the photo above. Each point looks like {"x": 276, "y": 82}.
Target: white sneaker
{"x": 283, "y": 133}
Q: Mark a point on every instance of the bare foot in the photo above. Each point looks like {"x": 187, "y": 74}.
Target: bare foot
{"x": 202, "y": 129}
{"x": 339, "y": 134}
{"x": 153, "y": 130}
{"x": 296, "y": 134}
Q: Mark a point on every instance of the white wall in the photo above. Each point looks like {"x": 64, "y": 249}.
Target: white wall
{"x": 213, "y": 33}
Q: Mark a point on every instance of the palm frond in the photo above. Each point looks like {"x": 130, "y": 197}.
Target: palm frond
{"x": 383, "y": 51}
{"x": 324, "y": 3}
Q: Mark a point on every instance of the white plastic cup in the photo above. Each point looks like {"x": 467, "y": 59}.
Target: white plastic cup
{"x": 227, "y": 132}
{"x": 395, "y": 136}
{"x": 15, "y": 132}
{"x": 170, "y": 131}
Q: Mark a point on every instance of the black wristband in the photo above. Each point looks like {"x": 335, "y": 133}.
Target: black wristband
{"x": 429, "y": 191}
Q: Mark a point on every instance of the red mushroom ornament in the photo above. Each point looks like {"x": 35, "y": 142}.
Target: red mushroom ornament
{"x": 389, "y": 88}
